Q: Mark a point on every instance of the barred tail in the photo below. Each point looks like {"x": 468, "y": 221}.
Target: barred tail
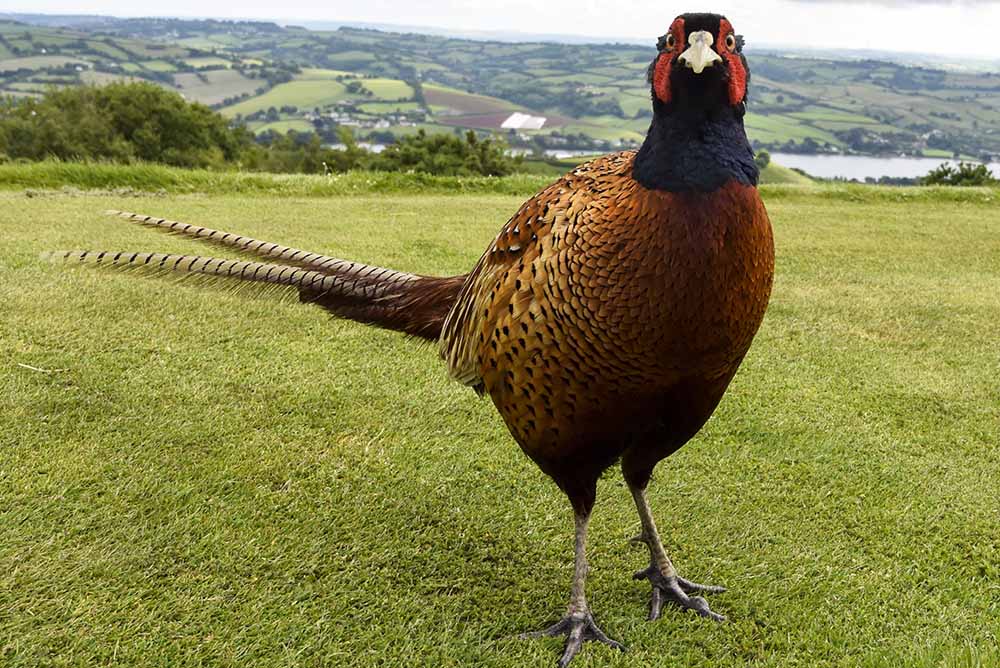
{"x": 416, "y": 305}
{"x": 238, "y": 242}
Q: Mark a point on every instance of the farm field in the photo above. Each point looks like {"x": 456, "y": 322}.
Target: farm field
{"x": 197, "y": 477}
{"x": 215, "y": 86}
{"x": 319, "y": 88}
{"x": 594, "y": 92}
{"x": 300, "y": 93}
{"x": 282, "y": 127}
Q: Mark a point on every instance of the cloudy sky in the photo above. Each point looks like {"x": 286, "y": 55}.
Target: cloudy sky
{"x": 957, "y": 28}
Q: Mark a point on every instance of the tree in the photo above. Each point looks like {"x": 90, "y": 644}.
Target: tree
{"x": 763, "y": 159}
{"x": 448, "y": 155}
{"x": 965, "y": 174}
{"x": 124, "y": 122}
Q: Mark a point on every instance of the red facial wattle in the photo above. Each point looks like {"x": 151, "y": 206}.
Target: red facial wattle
{"x": 661, "y": 72}
{"x": 737, "y": 72}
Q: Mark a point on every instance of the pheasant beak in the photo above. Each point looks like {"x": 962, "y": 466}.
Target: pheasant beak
{"x": 700, "y": 54}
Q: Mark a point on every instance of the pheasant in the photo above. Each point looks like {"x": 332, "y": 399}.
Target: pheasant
{"x": 609, "y": 315}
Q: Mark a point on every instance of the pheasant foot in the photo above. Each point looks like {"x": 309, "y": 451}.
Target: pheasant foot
{"x": 675, "y": 589}
{"x": 578, "y": 627}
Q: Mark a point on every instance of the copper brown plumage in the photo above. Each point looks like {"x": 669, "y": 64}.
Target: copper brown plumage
{"x": 609, "y": 315}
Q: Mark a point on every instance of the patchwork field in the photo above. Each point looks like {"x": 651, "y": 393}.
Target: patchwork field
{"x": 450, "y": 100}
{"x": 595, "y": 92}
{"x": 320, "y": 88}
{"x": 215, "y": 86}
{"x": 304, "y": 94}
{"x": 195, "y": 477}
{"x": 37, "y": 62}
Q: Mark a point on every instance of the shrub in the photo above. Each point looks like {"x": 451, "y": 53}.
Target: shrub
{"x": 122, "y": 122}
{"x": 964, "y": 174}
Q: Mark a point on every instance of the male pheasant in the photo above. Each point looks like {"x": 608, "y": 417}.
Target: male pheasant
{"x": 607, "y": 318}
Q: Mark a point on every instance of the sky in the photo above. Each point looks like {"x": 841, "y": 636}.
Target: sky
{"x": 960, "y": 28}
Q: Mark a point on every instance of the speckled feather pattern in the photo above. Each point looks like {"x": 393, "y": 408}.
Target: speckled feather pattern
{"x": 607, "y": 315}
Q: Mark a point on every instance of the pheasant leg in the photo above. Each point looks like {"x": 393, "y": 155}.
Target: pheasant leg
{"x": 667, "y": 585}
{"x": 578, "y": 625}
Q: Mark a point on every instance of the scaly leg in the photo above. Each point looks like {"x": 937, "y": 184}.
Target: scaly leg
{"x": 578, "y": 625}
{"x": 667, "y": 585}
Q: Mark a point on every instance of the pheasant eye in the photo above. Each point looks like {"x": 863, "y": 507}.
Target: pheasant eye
{"x": 731, "y": 42}
{"x": 671, "y": 41}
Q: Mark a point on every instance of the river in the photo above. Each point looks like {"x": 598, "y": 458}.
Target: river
{"x": 861, "y": 166}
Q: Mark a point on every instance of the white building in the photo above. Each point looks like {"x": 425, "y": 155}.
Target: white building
{"x": 519, "y": 121}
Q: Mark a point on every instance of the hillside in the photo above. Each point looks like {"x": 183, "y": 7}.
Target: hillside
{"x": 592, "y": 96}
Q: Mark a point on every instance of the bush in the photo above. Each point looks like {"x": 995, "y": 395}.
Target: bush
{"x": 447, "y": 155}
{"x": 142, "y": 122}
{"x": 119, "y": 122}
{"x": 965, "y": 174}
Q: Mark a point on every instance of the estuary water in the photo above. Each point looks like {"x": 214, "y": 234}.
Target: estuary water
{"x": 861, "y": 167}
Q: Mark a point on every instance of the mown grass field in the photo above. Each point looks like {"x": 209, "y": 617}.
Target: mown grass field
{"x": 193, "y": 477}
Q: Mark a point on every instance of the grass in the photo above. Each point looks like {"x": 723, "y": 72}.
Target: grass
{"x": 388, "y": 89}
{"x": 778, "y": 127}
{"x": 467, "y": 103}
{"x": 200, "y": 478}
{"x": 776, "y": 174}
{"x": 317, "y": 88}
{"x": 37, "y": 62}
{"x": 158, "y": 66}
{"x": 282, "y": 127}
{"x": 302, "y": 94}
{"x": 792, "y": 99}
{"x": 43, "y": 177}
{"x": 603, "y": 132}
{"x": 349, "y": 58}
{"x": 208, "y": 61}
{"x": 318, "y": 73}
{"x": 217, "y": 85}
{"x": 388, "y": 107}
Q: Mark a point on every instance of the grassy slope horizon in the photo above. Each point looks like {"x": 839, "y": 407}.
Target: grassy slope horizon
{"x": 191, "y": 476}
{"x": 98, "y": 177}
{"x": 153, "y": 176}
{"x": 885, "y": 108}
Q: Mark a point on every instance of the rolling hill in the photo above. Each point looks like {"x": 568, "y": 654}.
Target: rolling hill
{"x": 593, "y": 96}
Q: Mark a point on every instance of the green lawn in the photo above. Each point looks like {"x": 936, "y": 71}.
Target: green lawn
{"x": 193, "y": 477}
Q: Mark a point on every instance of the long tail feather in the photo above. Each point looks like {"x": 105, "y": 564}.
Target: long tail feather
{"x": 365, "y": 285}
{"x": 416, "y": 305}
{"x": 242, "y": 244}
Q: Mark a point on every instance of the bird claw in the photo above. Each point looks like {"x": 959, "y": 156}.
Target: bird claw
{"x": 578, "y": 627}
{"x": 676, "y": 590}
